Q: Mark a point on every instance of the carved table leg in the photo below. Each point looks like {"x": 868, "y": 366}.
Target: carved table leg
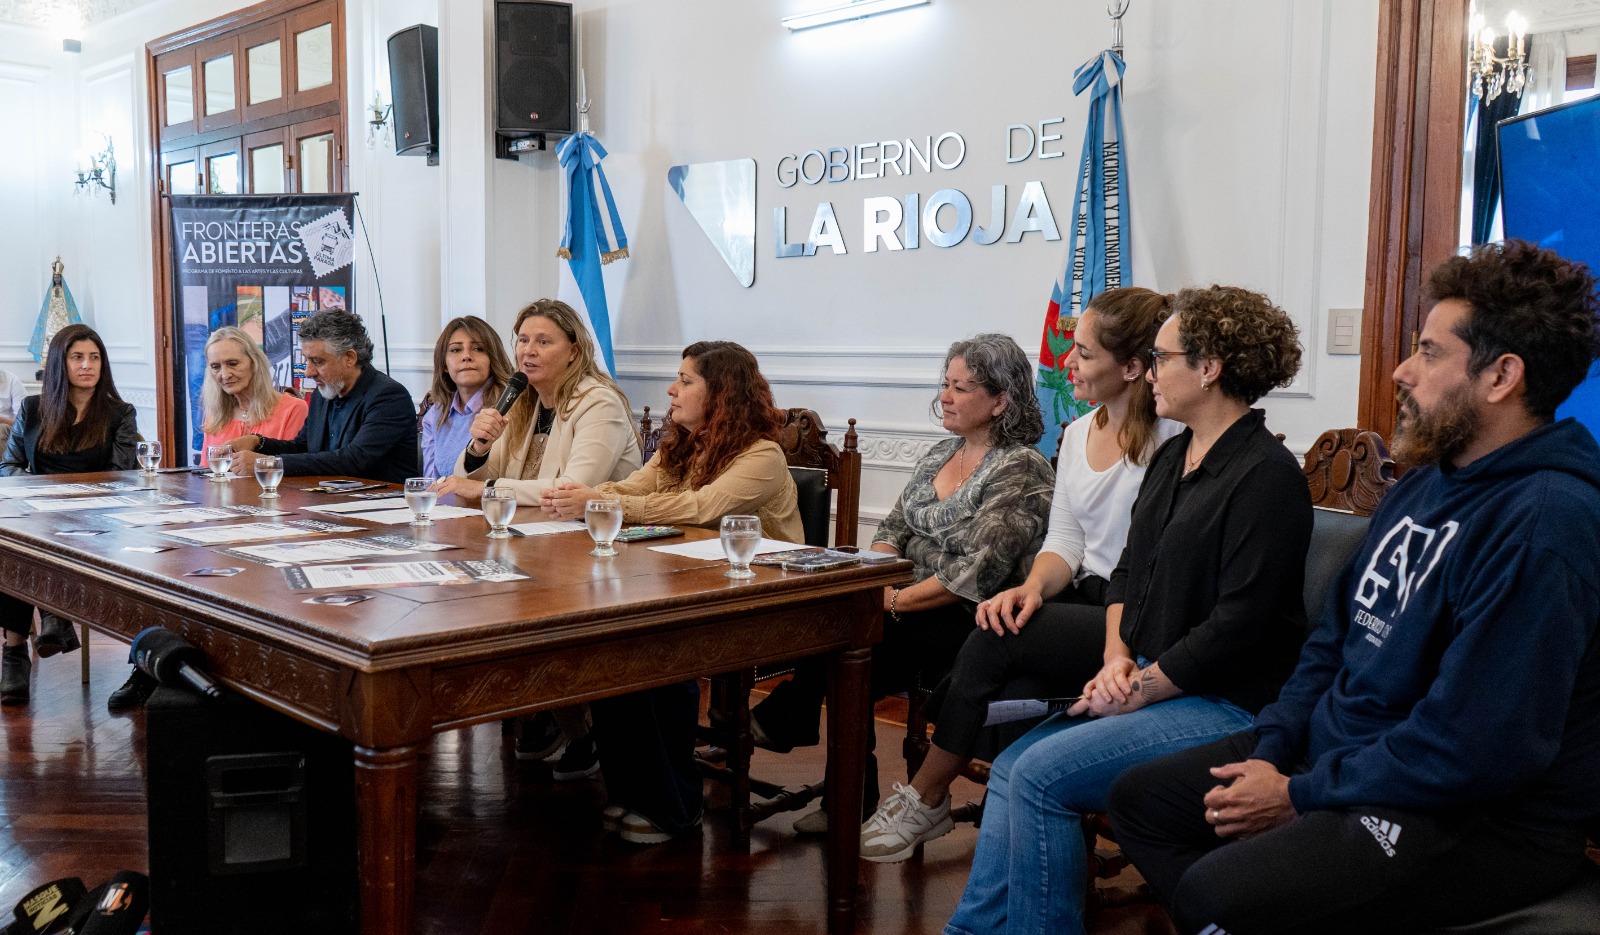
{"x": 848, "y": 709}
{"x": 386, "y": 810}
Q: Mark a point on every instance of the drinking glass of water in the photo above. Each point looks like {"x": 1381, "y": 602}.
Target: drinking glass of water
{"x": 149, "y": 455}
{"x": 220, "y": 457}
{"x": 269, "y": 473}
{"x": 741, "y": 535}
{"x": 420, "y": 496}
{"x": 499, "y": 503}
{"x": 604, "y": 519}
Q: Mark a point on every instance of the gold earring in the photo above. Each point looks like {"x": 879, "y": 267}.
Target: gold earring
{"x": 1205, "y": 384}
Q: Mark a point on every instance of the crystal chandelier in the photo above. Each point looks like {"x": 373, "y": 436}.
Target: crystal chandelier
{"x": 1492, "y": 73}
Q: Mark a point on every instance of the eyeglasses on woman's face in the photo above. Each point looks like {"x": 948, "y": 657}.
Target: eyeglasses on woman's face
{"x": 1157, "y": 355}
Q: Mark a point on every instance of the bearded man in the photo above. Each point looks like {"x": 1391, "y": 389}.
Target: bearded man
{"x": 1435, "y": 758}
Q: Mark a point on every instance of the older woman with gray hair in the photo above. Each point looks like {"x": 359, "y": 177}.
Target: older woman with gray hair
{"x": 971, "y": 519}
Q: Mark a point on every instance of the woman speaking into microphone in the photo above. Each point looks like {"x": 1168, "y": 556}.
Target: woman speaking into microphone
{"x": 572, "y": 426}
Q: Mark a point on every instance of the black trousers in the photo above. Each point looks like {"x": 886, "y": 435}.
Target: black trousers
{"x": 919, "y": 647}
{"x": 16, "y": 615}
{"x": 645, "y": 742}
{"x": 1059, "y": 649}
{"x": 1369, "y": 869}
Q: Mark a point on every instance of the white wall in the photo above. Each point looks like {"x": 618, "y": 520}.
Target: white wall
{"x": 1250, "y": 144}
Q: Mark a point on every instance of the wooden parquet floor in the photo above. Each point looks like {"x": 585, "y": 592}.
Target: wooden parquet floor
{"x": 503, "y": 849}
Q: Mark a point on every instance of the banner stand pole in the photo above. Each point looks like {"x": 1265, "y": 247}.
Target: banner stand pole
{"x": 383, "y": 318}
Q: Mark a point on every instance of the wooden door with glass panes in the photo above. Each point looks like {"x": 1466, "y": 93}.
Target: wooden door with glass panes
{"x": 252, "y": 102}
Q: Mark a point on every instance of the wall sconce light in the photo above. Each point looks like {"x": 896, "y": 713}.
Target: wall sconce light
{"x": 98, "y": 171}
{"x": 379, "y": 127}
{"x": 859, "y": 9}
{"x": 1490, "y": 72}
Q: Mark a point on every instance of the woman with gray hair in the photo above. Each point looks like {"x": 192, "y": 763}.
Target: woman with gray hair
{"x": 238, "y": 397}
{"x": 970, "y": 519}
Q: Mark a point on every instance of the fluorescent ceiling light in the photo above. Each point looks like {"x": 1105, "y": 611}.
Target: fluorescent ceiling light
{"x": 856, "y": 10}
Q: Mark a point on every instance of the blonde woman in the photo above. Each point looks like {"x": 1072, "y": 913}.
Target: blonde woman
{"x": 238, "y": 397}
{"x": 572, "y": 425}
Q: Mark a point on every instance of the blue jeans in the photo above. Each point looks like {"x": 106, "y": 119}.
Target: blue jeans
{"x": 1029, "y": 870}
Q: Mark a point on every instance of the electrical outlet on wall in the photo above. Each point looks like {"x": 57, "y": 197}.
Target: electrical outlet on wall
{"x": 1344, "y": 331}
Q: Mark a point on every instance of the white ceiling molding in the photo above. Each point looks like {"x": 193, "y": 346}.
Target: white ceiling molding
{"x": 43, "y": 13}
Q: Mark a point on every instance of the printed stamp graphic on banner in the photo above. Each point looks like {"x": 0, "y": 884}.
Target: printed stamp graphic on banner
{"x": 329, "y": 243}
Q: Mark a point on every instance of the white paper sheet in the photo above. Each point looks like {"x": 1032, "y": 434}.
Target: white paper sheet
{"x": 403, "y": 515}
{"x": 51, "y": 490}
{"x": 359, "y": 506}
{"x": 198, "y": 514}
{"x": 549, "y": 528}
{"x": 241, "y": 532}
{"x": 100, "y": 503}
{"x": 711, "y": 549}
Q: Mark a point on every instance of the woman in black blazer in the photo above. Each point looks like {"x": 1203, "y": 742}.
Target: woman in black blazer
{"x": 77, "y": 424}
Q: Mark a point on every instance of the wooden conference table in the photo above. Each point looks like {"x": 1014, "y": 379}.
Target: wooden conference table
{"x": 389, "y": 672}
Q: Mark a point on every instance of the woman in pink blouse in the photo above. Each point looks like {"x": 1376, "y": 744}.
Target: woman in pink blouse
{"x": 238, "y": 397}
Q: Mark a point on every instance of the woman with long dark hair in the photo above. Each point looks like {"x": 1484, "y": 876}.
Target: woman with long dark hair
{"x": 719, "y": 454}
{"x": 76, "y": 425}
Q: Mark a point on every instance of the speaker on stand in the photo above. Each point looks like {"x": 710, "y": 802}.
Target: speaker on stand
{"x": 535, "y": 62}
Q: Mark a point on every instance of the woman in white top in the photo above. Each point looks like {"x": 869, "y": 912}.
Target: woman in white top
{"x": 1046, "y": 636}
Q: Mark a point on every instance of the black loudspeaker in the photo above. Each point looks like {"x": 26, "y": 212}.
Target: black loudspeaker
{"x": 414, "y": 89}
{"x": 534, "y": 67}
{"x": 252, "y": 821}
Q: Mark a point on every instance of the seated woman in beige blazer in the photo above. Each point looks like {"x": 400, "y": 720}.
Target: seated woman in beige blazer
{"x": 572, "y": 425}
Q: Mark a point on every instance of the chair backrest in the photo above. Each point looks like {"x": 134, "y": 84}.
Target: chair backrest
{"x": 1335, "y": 537}
{"x": 1348, "y": 471}
{"x": 805, "y": 445}
{"x": 649, "y": 436}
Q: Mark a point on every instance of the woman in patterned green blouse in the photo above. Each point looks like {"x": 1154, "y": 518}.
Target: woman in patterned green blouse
{"x": 971, "y": 519}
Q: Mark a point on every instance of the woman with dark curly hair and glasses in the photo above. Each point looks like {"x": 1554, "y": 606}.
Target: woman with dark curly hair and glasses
{"x": 970, "y": 519}
{"x": 719, "y": 455}
{"x": 1204, "y": 614}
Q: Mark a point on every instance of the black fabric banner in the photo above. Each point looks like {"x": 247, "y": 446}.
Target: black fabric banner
{"x": 262, "y": 262}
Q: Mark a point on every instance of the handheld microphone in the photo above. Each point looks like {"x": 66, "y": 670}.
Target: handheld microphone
{"x": 514, "y": 388}
{"x": 170, "y": 659}
{"x": 115, "y": 907}
{"x": 39, "y": 910}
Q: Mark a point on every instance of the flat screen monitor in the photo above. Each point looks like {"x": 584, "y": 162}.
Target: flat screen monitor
{"x": 1550, "y": 187}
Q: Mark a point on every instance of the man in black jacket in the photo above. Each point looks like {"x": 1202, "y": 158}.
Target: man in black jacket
{"x": 362, "y": 423}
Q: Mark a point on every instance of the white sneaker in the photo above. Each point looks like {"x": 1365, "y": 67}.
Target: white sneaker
{"x": 900, "y": 824}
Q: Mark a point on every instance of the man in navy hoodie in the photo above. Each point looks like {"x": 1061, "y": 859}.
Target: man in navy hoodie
{"x": 1436, "y": 755}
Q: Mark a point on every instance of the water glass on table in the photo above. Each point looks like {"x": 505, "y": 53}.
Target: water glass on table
{"x": 604, "y": 519}
{"x": 741, "y": 536}
{"x": 499, "y": 503}
{"x": 420, "y": 496}
{"x": 220, "y": 458}
{"x": 269, "y": 473}
{"x": 149, "y": 456}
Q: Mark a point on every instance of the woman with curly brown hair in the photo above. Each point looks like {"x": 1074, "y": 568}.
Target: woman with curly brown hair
{"x": 1204, "y": 614}
{"x": 719, "y": 454}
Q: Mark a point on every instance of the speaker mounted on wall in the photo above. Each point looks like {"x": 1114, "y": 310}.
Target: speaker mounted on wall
{"x": 535, "y": 60}
{"x": 414, "y": 89}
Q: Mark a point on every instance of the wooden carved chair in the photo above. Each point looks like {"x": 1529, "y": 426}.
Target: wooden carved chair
{"x": 822, "y": 473}
{"x": 649, "y": 436}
